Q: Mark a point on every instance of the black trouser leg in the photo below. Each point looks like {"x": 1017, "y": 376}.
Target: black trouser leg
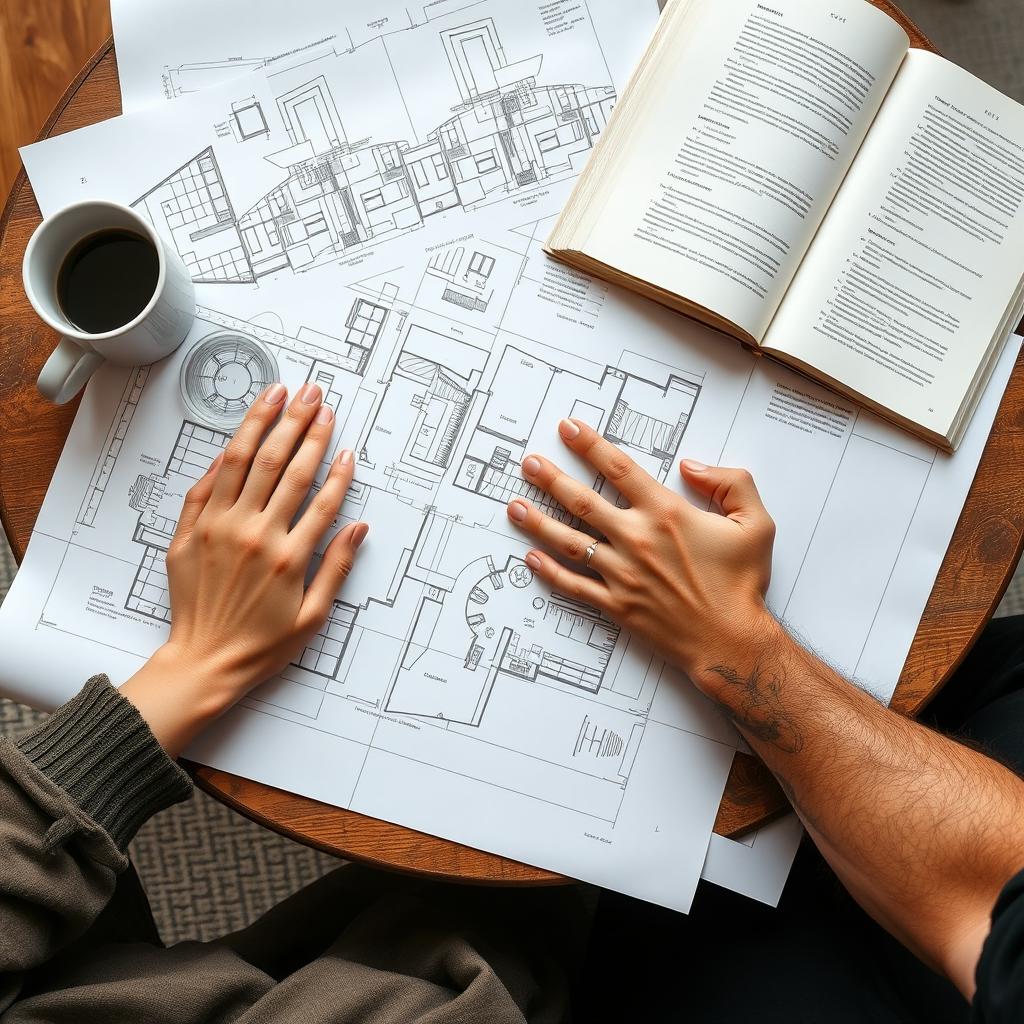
{"x": 984, "y": 702}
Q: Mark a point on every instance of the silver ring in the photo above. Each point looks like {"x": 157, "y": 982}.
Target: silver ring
{"x": 590, "y": 553}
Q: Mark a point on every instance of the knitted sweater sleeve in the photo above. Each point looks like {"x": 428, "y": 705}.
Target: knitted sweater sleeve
{"x": 73, "y": 793}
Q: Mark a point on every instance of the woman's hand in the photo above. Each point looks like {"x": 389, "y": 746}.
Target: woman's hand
{"x": 240, "y": 610}
{"x": 691, "y": 583}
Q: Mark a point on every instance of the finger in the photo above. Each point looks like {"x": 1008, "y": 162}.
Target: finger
{"x": 323, "y": 509}
{"x": 195, "y": 501}
{"x": 276, "y": 452}
{"x": 566, "y": 581}
{"x": 633, "y": 482}
{"x": 558, "y": 537}
{"x": 732, "y": 490}
{"x": 578, "y": 500}
{"x": 293, "y": 488}
{"x": 242, "y": 447}
{"x": 335, "y": 566}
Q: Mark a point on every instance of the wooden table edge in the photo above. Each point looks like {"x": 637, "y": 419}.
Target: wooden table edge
{"x": 1000, "y": 593}
{"x": 19, "y": 183}
{"x": 509, "y": 873}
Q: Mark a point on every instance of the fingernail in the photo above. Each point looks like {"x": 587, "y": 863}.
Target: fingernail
{"x": 345, "y": 458}
{"x": 310, "y": 393}
{"x": 533, "y": 561}
{"x": 359, "y": 534}
{"x": 517, "y": 512}
{"x": 531, "y": 467}
{"x": 275, "y": 394}
{"x": 324, "y": 414}
{"x": 568, "y": 429}
{"x": 694, "y": 466}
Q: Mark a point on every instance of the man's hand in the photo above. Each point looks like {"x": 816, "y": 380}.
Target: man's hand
{"x": 923, "y": 831}
{"x": 689, "y": 582}
{"x": 240, "y": 610}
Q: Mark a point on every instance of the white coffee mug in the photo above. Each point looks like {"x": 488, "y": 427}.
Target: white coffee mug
{"x": 156, "y": 332}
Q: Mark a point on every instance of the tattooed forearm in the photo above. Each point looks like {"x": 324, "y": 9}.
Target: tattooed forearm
{"x": 809, "y": 818}
{"x": 753, "y": 701}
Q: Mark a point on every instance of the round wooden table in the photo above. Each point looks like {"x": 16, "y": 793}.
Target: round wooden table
{"x": 976, "y": 570}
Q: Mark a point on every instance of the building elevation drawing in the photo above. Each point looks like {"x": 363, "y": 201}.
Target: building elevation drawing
{"x": 510, "y": 131}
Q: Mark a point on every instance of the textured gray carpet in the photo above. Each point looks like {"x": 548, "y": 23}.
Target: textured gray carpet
{"x": 206, "y": 869}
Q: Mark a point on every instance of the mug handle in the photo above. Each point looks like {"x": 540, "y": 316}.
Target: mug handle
{"x": 66, "y": 371}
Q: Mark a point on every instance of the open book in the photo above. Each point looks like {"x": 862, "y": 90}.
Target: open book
{"x": 794, "y": 174}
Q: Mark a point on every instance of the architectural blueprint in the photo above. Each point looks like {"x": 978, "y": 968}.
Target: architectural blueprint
{"x": 376, "y": 228}
{"x": 495, "y": 130}
{"x": 166, "y": 51}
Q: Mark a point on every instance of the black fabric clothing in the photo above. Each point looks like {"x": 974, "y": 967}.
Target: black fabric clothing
{"x": 818, "y": 958}
{"x": 984, "y": 706}
{"x": 1000, "y": 973}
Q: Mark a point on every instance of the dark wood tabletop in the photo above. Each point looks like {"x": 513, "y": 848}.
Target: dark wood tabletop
{"x": 974, "y": 574}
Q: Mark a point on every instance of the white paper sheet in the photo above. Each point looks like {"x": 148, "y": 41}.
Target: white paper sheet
{"x": 166, "y": 50}
{"x": 449, "y": 691}
{"x": 757, "y": 865}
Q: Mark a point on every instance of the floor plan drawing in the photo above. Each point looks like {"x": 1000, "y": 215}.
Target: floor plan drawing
{"x": 646, "y": 418}
{"x": 221, "y": 375}
{"x": 126, "y": 408}
{"x": 564, "y": 641}
{"x": 444, "y": 627}
{"x": 420, "y": 417}
{"x": 464, "y": 278}
{"x": 510, "y": 130}
{"x": 451, "y": 622}
{"x": 192, "y": 208}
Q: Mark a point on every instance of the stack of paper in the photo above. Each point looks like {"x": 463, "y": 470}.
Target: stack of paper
{"x": 361, "y": 197}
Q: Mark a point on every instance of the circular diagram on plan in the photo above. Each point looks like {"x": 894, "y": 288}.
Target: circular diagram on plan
{"x": 520, "y": 576}
{"x": 223, "y": 375}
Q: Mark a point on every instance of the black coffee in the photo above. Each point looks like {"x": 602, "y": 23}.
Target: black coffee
{"x": 107, "y": 280}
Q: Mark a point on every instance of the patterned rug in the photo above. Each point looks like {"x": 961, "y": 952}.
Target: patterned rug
{"x": 206, "y": 869}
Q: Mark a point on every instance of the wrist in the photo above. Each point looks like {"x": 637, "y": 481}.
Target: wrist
{"x": 206, "y": 683}
{"x": 178, "y": 695}
{"x": 748, "y": 638}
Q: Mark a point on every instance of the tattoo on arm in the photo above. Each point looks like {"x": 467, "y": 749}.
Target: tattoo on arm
{"x": 754, "y": 703}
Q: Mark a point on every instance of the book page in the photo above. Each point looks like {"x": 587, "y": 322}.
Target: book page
{"x": 748, "y": 128}
{"x": 909, "y": 279}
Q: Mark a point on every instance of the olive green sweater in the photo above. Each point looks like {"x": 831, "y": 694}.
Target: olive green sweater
{"x": 77, "y": 942}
